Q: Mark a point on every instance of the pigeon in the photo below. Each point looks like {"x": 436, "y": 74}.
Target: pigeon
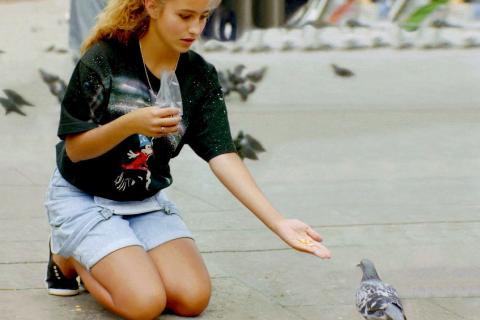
{"x": 257, "y": 75}
{"x": 16, "y": 98}
{"x": 377, "y": 300}
{"x": 235, "y": 80}
{"x": 61, "y": 50}
{"x": 52, "y": 48}
{"x": 48, "y": 77}
{"x": 235, "y": 77}
{"x": 439, "y": 23}
{"x": 244, "y": 90}
{"x": 354, "y": 44}
{"x": 471, "y": 42}
{"x": 11, "y": 106}
{"x": 354, "y": 23}
{"x": 342, "y": 72}
{"x": 56, "y": 85}
{"x": 247, "y": 146}
{"x": 379, "y": 42}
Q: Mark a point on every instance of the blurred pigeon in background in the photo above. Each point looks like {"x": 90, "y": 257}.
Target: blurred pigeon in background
{"x": 244, "y": 90}
{"x": 236, "y": 77}
{"x": 16, "y": 98}
{"x": 247, "y": 146}
{"x": 11, "y": 106}
{"x": 256, "y": 75}
{"x": 354, "y": 23}
{"x": 236, "y": 80}
{"x": 56, "y": 85}
{"x": 48, "y": 77}
{"x": 377, "y": 300}
{"x": 342, "y": 72}
{"x": 54, "y": 49}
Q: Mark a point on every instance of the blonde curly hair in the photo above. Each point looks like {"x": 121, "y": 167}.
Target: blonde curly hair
{"x": 122, "y": 19}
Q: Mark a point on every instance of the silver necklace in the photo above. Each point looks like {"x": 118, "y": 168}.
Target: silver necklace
{"x": 146, "y": 72}
{"x": 145, "y": 69}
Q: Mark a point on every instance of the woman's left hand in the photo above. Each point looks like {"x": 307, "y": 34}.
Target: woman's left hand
{"x": 301, "y": 237}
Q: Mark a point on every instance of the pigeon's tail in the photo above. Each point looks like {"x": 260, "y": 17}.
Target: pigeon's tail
{"x": 394, "y": 313}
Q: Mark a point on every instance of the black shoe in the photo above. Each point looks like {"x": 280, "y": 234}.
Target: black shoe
{"x": 57, "y": 283}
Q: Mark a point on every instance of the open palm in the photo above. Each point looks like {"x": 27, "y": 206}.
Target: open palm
{"x": 302, "y": 237}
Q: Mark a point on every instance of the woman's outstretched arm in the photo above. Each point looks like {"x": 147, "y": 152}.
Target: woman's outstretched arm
{"x": 234, "y": 175}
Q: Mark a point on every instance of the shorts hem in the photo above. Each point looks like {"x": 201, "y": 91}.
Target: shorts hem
{"x": 174, "y": 236}
{"x": 108, "y": 250}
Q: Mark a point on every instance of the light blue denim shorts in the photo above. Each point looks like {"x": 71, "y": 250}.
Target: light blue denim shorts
{"x": 89, "y": 228}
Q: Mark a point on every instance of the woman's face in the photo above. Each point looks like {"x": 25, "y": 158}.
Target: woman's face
{"x": 180, "y": 22}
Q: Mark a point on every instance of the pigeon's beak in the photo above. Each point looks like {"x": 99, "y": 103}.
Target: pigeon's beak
{"x": 359, "y": 265}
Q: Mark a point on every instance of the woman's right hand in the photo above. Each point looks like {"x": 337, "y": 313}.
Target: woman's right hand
{"x": 154, "y": 121}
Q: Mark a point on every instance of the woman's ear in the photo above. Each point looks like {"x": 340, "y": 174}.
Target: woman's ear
{"x": 153, "y": 8}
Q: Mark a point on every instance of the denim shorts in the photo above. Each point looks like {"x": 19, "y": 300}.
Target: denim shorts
{"x": 89, "y": 228}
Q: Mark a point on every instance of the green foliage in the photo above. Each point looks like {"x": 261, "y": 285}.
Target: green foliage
{"x": 418, "y": 16}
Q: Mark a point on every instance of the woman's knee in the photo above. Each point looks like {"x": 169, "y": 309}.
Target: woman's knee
{"x": 142, "y": 305}
{"x": 191, "y": 301}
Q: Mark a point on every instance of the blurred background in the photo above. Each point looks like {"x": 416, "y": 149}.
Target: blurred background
{"x": 346, "y": 24}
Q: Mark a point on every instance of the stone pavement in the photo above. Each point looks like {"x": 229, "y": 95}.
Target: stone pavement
{"x": 384, "y": 165}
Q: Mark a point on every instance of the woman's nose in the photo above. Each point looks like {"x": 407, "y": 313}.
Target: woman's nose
{"x": 196, "y": 28}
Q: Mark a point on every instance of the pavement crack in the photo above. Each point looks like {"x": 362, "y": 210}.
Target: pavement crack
{"x": 448, "y": 310}
{"x": 23, "y": 262}
{"x": 242, "y": 251}
{"x": 21, "y": 289}
{"x": 339, "y": 226}
{"x": 197, "y": 197}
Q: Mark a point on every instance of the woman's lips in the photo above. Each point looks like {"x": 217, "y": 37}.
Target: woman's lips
{"x": 188, "y": 40}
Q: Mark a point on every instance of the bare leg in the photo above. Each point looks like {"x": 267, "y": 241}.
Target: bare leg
{"x": 127, "y": 283}
{"x": 184, "y": 275}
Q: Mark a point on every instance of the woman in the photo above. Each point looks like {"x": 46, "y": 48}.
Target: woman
{"x": 111, "y": 223}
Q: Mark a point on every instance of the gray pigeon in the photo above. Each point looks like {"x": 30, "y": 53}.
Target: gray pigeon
{"x": 57, "y": 86}
{"x": 247, "y": 146}
{"x": 244, "y": 90}
{"x": 48, "y": 77}
{"x": 257, "y": 75}
{"x": 342, "y": 72}
{"x": 17, "y": 98}
{"x": 377, "y": 300}
{"x": 50, "y": 48}
{"x": 354, "y": 23}
{"x": 10, "y": 106}
{"x": 235, "y": 76}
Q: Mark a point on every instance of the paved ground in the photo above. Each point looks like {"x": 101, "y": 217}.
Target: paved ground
{"x": 385, "y": 166}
